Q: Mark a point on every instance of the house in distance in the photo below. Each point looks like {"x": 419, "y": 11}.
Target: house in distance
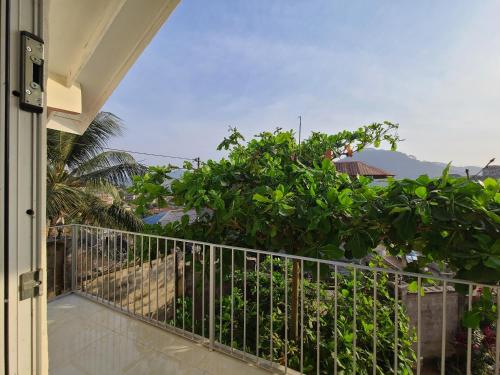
{"x": 358, "y": 168}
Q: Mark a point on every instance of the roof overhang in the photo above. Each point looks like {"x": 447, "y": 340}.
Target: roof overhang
{"x": 91, "y": 46}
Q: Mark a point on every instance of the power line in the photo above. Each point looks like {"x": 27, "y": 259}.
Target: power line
{"x": 151, "y": 154}
{"x": 197, "y": 159}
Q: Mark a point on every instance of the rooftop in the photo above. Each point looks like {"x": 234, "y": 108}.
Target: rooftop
{"x": 358, "y": 168}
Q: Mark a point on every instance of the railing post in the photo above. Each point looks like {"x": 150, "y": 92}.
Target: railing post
{"x": 211, "y": 313}
{"x": 74, "y": 240}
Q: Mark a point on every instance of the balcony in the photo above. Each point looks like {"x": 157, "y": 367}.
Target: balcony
{"x": 126, "y": 302}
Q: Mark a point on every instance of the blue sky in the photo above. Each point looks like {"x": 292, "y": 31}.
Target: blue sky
{"x": 433, "y": 67}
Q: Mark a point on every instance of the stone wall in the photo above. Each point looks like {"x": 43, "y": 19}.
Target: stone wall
{"x": 432, "y": 318}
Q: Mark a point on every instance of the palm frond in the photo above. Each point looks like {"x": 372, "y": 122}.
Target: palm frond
{"x": 118, "y": 175}
{"x": 85, "y": 147}
{"x": 103, "y": 160}
{"x": 80, "y": 171}
{"x": 104, "y": 188}
{"x": 96, "y": 212}
{"x": 59, "y": 145}
{"x": 63, "y": 200}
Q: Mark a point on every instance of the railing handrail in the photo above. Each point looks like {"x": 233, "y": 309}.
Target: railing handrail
{"x": 143, "y": 269}
{"x": 328, "y": 262}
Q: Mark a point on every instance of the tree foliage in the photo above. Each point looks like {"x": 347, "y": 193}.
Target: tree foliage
{"x": 150, "y": 188}
{"x": 452, "y": 220}
{"x": 271, "y": 194}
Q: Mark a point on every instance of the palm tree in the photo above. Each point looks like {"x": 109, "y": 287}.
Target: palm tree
{"x": 80, "y": 170}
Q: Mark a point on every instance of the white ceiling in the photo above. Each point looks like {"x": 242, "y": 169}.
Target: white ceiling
{"x": 91, "y": 46}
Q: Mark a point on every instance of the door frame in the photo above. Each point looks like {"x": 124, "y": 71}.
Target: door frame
{"x": 23, "y": 344}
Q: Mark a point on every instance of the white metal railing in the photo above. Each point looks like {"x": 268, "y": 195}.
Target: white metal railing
{"x": 281, "y": 311}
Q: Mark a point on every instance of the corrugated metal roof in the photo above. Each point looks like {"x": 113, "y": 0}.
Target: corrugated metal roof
{"x": 358, "y": 168}
{"x": 169, "y": 216}
{"x": 154, "y": 219}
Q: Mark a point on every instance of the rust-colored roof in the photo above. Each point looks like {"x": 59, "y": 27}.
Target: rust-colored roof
{"x": 358, "y": 168}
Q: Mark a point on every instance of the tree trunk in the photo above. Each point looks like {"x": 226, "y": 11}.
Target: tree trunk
{"x": 294, "y": 333}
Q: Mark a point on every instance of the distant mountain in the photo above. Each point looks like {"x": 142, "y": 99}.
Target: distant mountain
{"x": 407, "y": 166}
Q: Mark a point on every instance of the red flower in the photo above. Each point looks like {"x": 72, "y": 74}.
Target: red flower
{"x": 489, "y": 336}
{"x": 328, "y": 154}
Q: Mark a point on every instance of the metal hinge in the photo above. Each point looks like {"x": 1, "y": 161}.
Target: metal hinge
{"x": 30, "y": 284}
{"x": 32, "y": 69}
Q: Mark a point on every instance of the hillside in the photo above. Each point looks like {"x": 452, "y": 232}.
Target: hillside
{"x": 399, "y": 163}
{"x": 403, "y": 165}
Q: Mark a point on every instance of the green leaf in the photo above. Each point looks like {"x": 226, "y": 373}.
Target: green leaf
{"x": 444, "y": 176}
{"x": 344, "y": 197}
{"x": 413, "y": 287}
{"x": 495, "y": 248}
{"x": 494, "y": 216}
{"x": 492, "y": 262}
{"x": 274, "y": 231}
{"x": 421, "y": 192}
{"x": 405, "y": 225}
{"x": 367, "y": 327}
{"x": 348, "y": 338}
{"x": 320, "y": 203}
{"x": 286, "y": 210}
{"x": 357, "y": 246}
{"x": 471, "y": 319}
{"x": 260, "y": 198}
{"x": 423, "y": 180}
{"x": 332, "y": 195}
{"x": 490, "y": 183}
{"x": 332, "y": 251}
{"x": 497, "y": 198}
{"x": 396, "y": 210}
{"x": 326, "y": 165}
{"x": 278, "y": 194}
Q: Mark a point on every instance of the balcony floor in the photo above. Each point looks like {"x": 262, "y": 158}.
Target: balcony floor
{"x": 89, "y": 338}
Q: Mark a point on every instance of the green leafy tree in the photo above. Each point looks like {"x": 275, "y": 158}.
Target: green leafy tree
{"x": 80, "y": 171}
{"x": 272, "y": 194}
{"x": 452, "y": 220}
{"x": 150, "y": 188}
{"x": 264, "y": 195}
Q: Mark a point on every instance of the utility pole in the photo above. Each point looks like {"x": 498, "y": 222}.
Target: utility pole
{"x": 300, "y": 130}
{"x": 483, "y": 168}
{"x": 197, "y": 160}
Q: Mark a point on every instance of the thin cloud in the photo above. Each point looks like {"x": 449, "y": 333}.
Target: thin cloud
{"x": 433, "y": 68}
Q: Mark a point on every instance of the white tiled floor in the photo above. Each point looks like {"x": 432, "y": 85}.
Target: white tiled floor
{"x": 90, "y": 339}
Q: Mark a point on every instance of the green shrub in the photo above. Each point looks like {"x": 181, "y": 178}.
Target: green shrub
{"x": 385, "y": 322}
